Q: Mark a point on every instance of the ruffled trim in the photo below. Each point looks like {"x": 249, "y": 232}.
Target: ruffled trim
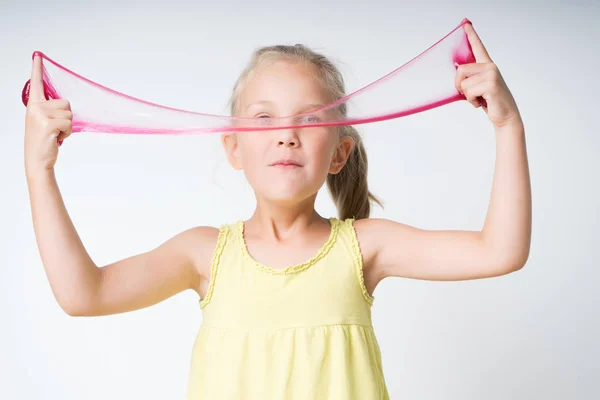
{"x": 358, "y": 261}
{"x": 292, "y": 269}
{"x": 221, "y": 240}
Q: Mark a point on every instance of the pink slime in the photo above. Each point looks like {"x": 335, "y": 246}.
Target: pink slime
{"x": 97, "y": 108}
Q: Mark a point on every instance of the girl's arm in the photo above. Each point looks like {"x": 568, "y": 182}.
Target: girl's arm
{"x": 502, "y": 246}
{"x": 79, "y": 286}
{"x": 83, "y": 289}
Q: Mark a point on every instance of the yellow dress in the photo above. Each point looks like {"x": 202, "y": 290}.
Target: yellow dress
{"x": 302, "y": 332}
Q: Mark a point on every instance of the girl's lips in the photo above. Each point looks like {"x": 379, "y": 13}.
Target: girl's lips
{"x": 286, "y": 166}
{"x": 285, "y": 163}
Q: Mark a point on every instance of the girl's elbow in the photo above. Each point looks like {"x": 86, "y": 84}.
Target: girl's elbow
{"x": 71, "y": 310}
{"x": 522, "y": 257}
{"x": 76, "y": 308}
{"x": 517, "y": 262}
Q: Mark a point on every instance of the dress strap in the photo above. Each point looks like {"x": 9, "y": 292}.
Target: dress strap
{"x": 358, "y": 259}
{"x": 218, "y": 251}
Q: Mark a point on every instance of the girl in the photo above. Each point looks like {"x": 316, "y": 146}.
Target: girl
{"x": 286, "y": 295}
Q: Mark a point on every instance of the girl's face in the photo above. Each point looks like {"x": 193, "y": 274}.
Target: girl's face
{"x": 286, "y": 165}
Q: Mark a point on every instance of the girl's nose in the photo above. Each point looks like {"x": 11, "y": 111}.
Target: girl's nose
{"x": 288, "y": 143}
{"x": 288, "y": 138}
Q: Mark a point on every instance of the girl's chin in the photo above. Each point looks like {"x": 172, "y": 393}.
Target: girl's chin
{"x": 286, "y": 195}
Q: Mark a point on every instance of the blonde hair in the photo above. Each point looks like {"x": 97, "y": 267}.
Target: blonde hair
{"x": 348, "y": 188}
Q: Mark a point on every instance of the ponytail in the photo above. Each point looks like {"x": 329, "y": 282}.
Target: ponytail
{"x": 349, "y": 188}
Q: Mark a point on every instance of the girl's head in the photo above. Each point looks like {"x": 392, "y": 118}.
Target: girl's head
{"x": 289, "y": 80}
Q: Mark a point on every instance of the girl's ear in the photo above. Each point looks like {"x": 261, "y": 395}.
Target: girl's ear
{"x": 341, "y": 155}
{"x": 230, "y": 144}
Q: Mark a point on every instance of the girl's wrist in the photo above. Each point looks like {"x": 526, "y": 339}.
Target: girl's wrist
{"x": 38, "y": 173}
{"x": 511, "y": 125}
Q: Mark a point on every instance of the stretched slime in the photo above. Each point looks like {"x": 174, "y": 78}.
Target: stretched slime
{"x": 423, "y": 83}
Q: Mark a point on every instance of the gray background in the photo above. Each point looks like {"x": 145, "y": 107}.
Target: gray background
{"x": 528, "y": 335}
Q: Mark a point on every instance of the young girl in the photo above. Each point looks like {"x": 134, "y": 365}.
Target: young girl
{"x": 286, "y": 296}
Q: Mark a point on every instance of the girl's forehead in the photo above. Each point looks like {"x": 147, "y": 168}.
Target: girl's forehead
{"x": 284, "y": 82}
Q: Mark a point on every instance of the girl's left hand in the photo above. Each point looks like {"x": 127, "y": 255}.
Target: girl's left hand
{"x": 482, "y": 79}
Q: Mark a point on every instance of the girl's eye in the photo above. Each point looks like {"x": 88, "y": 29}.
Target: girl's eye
{"x": 265, "y": 119}
{"x": 310, "y": 118}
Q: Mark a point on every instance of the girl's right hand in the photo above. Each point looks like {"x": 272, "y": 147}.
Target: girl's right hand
{"x": 47, "y": 124}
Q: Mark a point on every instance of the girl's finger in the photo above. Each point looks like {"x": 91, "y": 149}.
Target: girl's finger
{"x": 36, "y": 83}
{"x": 474, "y": 100}
{"x": 61, "y": 138}
{"x": 479, "y": 51}
{"x": 465, "y": 71}
{"x": 58, "y": 104}
{"x": 60, "y": 114}
{"x": 474, "y": 88}
{"x": 65, "y": 133}
{"x": 61, "y": 126}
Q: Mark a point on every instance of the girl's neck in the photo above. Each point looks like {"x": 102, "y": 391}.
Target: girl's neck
{"x": 279, "y": 220}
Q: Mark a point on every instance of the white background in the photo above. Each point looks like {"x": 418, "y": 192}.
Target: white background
{"x": 528, "y": 335}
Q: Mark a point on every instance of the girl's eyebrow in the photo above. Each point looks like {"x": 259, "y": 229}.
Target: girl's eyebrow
{"x": 258, "y": 103}
{"x": 306, "y": 107}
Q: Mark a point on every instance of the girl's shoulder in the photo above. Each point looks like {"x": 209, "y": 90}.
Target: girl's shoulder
{"x": 199, "y": 243}
{"x": 373, "y": 231}
{"x": 374, "y": 234}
